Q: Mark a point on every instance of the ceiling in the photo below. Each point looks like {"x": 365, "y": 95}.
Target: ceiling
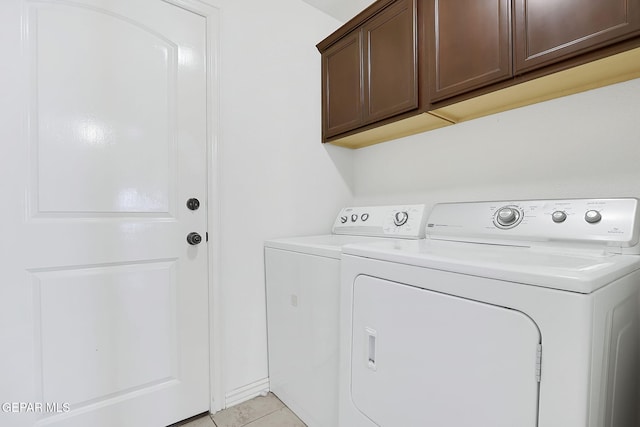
{"x": 342, "y": 10}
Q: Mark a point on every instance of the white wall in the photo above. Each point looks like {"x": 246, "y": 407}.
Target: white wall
{"x": 276, "y": 178}
{"x": 584, "y": 145}
{"x": 342, "y": 10}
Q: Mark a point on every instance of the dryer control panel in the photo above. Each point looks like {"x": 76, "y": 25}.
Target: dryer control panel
{"x": 400, "y": 221}
{"x": 608, "y": 222}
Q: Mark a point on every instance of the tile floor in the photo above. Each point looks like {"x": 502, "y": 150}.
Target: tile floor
{"x": 266, "y": 411}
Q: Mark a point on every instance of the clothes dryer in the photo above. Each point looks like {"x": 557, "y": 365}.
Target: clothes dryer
{"x": 517, "y": 313}
{"x": 303, "y": 291}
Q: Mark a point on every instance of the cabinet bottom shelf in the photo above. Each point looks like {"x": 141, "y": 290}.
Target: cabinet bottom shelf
{"x": 602, "y": 72}
{"x": 409, "y": 126}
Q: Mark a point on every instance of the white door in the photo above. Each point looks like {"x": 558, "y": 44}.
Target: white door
{"x": 422, "y": 358}
{"x": 103, "y": 303}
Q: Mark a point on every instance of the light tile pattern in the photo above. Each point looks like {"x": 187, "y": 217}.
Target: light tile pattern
{"x": 283, "y": 417}
{"x": 251, "y": 410}
{"x": 204, "y": 421}
{"x": 260, "y": 411}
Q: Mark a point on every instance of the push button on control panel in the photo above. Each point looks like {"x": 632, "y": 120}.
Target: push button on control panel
{"x": 404, "y": 221}
{"x": 354, "y": 217}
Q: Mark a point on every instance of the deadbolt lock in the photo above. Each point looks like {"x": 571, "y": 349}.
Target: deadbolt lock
{"x": 193, "y": 204}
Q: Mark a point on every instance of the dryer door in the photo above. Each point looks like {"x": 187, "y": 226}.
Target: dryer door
{"x": 422, "y": 358}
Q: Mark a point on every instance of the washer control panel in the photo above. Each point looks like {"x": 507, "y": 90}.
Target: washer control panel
{"x": 612, "y": 222}
{"x": 402, "y": 221}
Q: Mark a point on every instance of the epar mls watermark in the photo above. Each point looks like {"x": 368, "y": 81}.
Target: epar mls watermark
{"x": 36, "y": 407}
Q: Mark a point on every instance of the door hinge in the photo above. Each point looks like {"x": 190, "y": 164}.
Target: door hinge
{"x": 206, "y": 236}
{"x": 539, "y": 362}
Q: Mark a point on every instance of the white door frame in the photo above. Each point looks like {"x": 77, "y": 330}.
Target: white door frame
{"x": 211, "y": 14}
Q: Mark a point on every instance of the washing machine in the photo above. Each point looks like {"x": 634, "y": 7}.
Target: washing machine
{"x": 508, "y": 314}
{"x": 303, "y": 290}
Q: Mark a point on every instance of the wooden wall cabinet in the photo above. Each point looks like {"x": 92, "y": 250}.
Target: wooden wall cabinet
{"x": 469, "y": 45}
{"x": 402, "y": 67}
{"x": 342, "y": 85}
{"x": 546, "y": 31}
{"x": 391, "y": 61}
{"x": 476, "y": 43}
{"x": 371, "y": 70}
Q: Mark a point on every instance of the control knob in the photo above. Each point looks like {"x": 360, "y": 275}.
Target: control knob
{"x": 592, "y": 216}
{"x": 559, "y": 216}
{"x": 400, "y": 218}
{"x": 343, "y": 219}
{"x": 507, "y": 216}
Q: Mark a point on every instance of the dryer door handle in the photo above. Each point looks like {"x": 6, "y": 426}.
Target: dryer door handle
{"x": 371, "y": 338}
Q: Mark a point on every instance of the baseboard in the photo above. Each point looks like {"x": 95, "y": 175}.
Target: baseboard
{"x": 244, "y": 393}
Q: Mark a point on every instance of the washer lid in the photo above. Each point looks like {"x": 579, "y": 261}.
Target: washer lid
{"x": 570, "y": 270}
{"x": 327, "y": 245}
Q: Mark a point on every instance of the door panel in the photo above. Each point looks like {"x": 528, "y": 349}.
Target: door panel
{"x": 441, "y": 360}
{"x": 470, "y": 45}
{"x": 85, "y": 119}
{"x": 390, "y": 43}
{"x": 549, "y": 31}
{"x": 111, "y": 302}
{"x": 79, "y": 359}
{"x": 342, "y": 85}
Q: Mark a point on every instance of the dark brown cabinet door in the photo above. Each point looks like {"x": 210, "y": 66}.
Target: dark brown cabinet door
{"x": 550, "y": 31}
{"x": 470, "y": 45}
{"x": 342, "y": 85}
{"x": 390, "y": 45}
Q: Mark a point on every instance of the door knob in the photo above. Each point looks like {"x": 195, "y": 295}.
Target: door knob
{"x": 194, "y": 238}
